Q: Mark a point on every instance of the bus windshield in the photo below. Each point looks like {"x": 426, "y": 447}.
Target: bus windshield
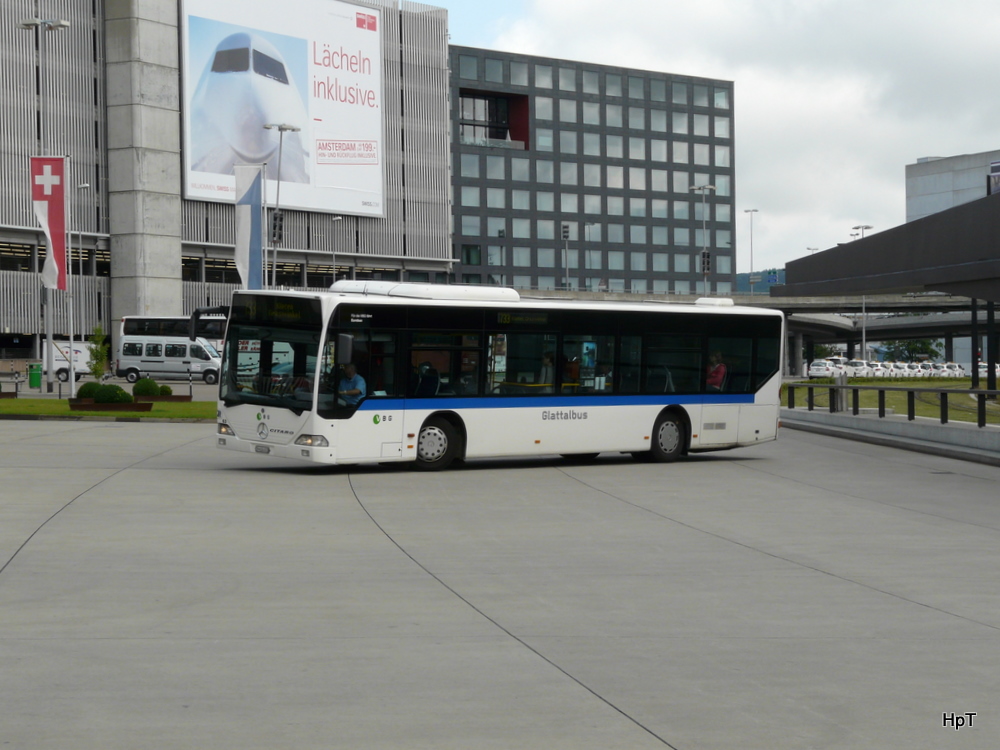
{"x": 270, "y": 366}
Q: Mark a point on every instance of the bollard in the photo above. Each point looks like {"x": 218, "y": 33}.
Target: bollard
{"x": 840, "y": 395}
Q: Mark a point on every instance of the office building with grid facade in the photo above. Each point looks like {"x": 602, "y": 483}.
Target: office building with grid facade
{"x": 589, "y": 177}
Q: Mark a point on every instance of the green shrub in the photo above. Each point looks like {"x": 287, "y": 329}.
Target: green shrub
{"x": 166, "y": 390}
{"x": 112, "y": 394}
{"x": 88, "y": 390}
{"x": 145, "y": 387}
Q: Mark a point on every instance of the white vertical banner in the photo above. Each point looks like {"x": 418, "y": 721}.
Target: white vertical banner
{"x": 249, "y": 225}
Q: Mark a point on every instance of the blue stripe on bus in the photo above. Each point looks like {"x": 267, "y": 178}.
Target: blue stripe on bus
{"x": 498, "y": 402}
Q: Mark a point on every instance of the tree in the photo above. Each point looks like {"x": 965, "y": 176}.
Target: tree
{"x": 909, "y": 350}
{"x": 822, "y": 351}
{"x": 99, "y": 355}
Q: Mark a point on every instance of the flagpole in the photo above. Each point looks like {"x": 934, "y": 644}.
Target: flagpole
{"x": 69, "y": 282}
{"x": 41, "y": 27}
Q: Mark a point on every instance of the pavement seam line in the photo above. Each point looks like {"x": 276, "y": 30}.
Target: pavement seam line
{"x": 500, "y": 627}
{"x": 784, "y": 559}
{"x": 86, "y": 491}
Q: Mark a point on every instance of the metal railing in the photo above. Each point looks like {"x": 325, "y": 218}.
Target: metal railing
{"x": 982, "y": 397}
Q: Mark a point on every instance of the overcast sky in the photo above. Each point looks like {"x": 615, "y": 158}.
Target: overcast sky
{"x": 833, "y": 98}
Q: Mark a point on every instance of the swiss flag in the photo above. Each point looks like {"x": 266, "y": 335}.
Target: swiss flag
{"x": 48, "y": 198}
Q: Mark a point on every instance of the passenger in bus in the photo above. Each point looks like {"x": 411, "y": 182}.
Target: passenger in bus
{"x": 352, "y": 386}
{"x": 547, "y": 375}
{"x": 715, "y": 373}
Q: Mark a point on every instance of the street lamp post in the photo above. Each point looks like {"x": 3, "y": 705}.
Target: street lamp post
{"x": 79, "y": 238}
{"x": 586, "y": 231}
{"x": 46, "y": 24}
{"x": 861, "y": 228}
{"x": 277, "y": 218}
{"x": 333, "y": 258}
{"x": 864, "y": 328}
{"x": 706, "y": 259}
{"x": 751, "y": 211}
{"x": 565, "y": 236}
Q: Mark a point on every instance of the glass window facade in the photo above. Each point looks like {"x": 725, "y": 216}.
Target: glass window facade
{"x": 611, "y": 153}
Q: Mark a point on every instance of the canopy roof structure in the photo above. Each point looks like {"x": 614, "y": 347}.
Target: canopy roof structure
{"x": 956, "y": 251}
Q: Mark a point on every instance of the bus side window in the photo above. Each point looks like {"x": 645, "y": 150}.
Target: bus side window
{"x": 468, "y": 379}
{"x": 588, "y": 361}
{"x": 523, "y": 363}
{"x": 672, "y": 364}
{"x": 426, "y": 380}
{"x": 629, "y": 364}
{"x": 737, "y": 354}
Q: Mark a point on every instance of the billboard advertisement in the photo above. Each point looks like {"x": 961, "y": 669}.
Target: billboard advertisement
{"x": 299, "y": 83}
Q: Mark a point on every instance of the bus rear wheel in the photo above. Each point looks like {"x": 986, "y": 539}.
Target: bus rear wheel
{"x": 437, "y": 445}
{"x": 668, "y": 439}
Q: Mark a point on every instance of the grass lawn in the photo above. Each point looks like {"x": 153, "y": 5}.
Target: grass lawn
{"x": 961, "y": 406}
{"x": 53, "y": 407}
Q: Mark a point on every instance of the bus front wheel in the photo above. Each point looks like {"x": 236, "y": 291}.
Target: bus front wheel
{"x": 437, "y": 445}
{"x": 668, "y": 439}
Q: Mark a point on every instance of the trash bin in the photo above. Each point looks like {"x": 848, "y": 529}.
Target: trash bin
{"x": 34, "y": 374}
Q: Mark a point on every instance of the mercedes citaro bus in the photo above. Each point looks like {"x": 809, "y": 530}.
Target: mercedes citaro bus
{"x": 453, "y": 372}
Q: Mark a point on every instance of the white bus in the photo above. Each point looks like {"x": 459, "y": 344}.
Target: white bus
{"x": 458, "y": 372}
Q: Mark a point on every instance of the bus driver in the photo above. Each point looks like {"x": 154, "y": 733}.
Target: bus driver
{"x": 352, "y": 385}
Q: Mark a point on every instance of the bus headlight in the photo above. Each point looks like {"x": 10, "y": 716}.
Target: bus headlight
{"x": 312, "y": 441}
{"x": 225, "y": 429}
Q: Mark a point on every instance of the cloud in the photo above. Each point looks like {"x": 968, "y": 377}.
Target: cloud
{"x": 833, "y": 98}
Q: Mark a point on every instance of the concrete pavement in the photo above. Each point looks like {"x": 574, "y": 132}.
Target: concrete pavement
{"x": 813, "y": 592}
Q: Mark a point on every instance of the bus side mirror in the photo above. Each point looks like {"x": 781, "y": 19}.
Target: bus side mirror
{"x": 196, "y": 315}
{"x": 345, "y": 348}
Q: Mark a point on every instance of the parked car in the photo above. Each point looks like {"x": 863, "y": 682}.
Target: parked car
{"x": 896, "y": 370}
{"x": 984, "y": 369}
{"x": 948, "y": 370}
{"x": 826, "y": 368}
{"x": 877, "y": 369}
{"x": 858, "y": 368}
